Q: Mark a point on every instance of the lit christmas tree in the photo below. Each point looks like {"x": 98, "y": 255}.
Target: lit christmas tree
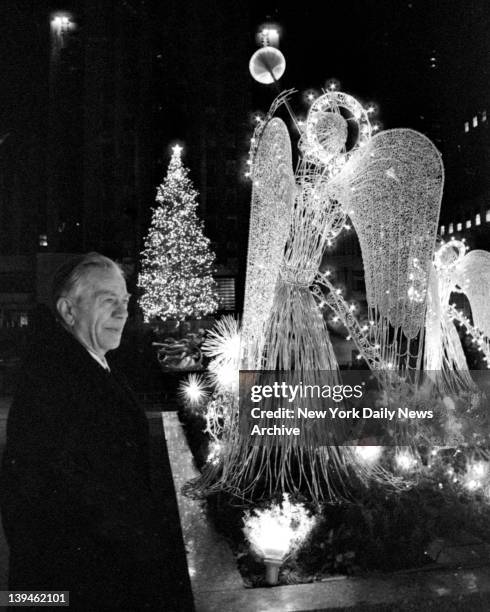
{"x": 177, "y": 262}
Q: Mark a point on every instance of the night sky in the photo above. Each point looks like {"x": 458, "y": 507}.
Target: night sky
{"x": 379, "y": 50}
{"x": 425, "y": 63}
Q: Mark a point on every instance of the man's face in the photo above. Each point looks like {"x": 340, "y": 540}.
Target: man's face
{"x": 101, "y": 310}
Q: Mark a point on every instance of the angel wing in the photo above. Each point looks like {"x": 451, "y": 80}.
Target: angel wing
{"x": 272, "y": 198}
{"x": 392, "y": 191}
{"x": 472, "y": 274}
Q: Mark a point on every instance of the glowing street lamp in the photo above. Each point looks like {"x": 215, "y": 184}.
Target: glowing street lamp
{"x": 61, "y": 23}
{"x": 268, "y": 35}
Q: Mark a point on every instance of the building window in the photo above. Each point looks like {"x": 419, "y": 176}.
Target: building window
{"x": 477, "y": 219}
{"x": 475, "y": 121}
{"x": 443, "y": 230}
{"x": 487, "y": 216}
{"x": 226, "y": 293}
{"x": 451, "y": 229}
{"x": 484, "y": 115}
{"x": 43, "y": 240}
{"x": 459, "y": 227}
{"x": 466, "y": 126}
{"x": 468, "y": 223}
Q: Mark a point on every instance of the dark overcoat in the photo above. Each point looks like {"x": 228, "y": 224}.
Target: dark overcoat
{"x": 76, "y": 499}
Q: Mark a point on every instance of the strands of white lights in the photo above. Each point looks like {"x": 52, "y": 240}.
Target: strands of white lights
{"x": 479, "y": 339}
{"x": 272, "y": 199}
{"x": 394, "y": 189}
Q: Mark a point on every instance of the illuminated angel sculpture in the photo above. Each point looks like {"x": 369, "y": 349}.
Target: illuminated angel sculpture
{"x": 456, "y": 271}
{"x": 389, "y": 184}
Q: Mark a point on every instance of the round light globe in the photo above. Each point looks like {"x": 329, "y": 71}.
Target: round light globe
{"x": 267, "y": 65}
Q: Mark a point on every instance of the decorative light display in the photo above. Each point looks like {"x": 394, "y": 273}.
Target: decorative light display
{"x": 456, "y": 271}
{"x": 267, "y": 65}
{"x": 480, "y": 339}
{"x": 326, "y": 129}
{"x": 476, "y": 475}
{"x": 193, "y": 389}
{"x": 222, "y": 345}
{"x": 270, "y": 216}
{"x": 394, "y": 188}
{"x": 388, "y": 188}
{"x": 177, "y": 263}
{"x": 368, "y": 454}
{"x": 392, "y": 178}
{"x": 472, "y": 275}
{"x": 218, "y": 412}
{"x": 214, "y": 454}
{"x": 361, "y": 335}
{"x": 273, "y": 533}
{"x": 405, "y": 459}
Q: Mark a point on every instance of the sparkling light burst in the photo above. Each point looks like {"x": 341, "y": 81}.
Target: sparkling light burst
{"x": 223, "y": 347}
{"x": 193, "y": 389}
{"x": 405, "y": 460}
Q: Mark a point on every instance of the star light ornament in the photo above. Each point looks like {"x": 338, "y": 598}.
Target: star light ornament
{"x": 193, "y": 390}
{"x": 177, "y": 263}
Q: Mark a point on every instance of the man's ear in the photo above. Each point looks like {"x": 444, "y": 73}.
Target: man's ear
{"x": 64, "y": 306}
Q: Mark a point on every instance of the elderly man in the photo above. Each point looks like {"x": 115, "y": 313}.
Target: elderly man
{"x": 77, "y": 506}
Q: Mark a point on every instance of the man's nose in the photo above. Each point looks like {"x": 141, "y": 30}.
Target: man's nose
{"x": 121, "y": 309}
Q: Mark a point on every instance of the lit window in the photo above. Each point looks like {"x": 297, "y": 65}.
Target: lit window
{"x": 477, "y": 219}
{"x": 226, "y": 293}
{"x": 459, "y": 227}
{"x": 466, "y": 126}
{"x": 468, "y": 223}
{"x": 487, "y": 216}
{"x": 484, "y": 115}
{"x": 451, "y": 228}
{"x": 475, "y": 121}
{"x": 43, "y": 240}
{"x": 443, "y": 230}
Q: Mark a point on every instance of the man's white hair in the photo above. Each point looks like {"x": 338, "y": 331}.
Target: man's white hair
{"x": 69, "y": 277}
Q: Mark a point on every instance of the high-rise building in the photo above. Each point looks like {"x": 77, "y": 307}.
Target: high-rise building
{"x": 204, "y": 100}
{"x": 77, "y": 152}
